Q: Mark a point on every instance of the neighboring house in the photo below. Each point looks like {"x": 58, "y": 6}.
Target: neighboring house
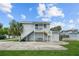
{"x": 38, "y": 31}
{"x": 73, "y": 34}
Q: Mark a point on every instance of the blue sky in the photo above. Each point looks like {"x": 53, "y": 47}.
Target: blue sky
{"x": 63, "y": 14}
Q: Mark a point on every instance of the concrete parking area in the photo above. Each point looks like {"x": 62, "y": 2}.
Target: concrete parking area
{"x": 32, "y": 46}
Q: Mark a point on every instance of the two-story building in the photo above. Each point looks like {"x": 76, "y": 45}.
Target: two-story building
{"x": 38, "y": 31}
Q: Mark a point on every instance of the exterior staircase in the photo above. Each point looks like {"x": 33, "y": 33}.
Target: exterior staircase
{"x": 24, "y": 38}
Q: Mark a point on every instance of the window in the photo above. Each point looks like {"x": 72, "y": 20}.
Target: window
{"x": 40, "y": 26}
{"x": 36, "y": 26}
{"x": 45, "y": 26}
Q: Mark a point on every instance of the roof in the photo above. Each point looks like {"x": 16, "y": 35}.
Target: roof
{"x": 24, "y": 22}
{"x": 41, "y": 22}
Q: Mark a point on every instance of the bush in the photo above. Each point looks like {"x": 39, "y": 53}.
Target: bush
{"x": 63, "y": 36}
{"x": 2, "y": 36}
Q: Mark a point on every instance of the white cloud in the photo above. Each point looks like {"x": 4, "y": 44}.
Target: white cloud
{"x": 53, "y": 24}
{"x": 67, "y": 25}
{"x": 10, "y": 17}
{"x": 41, "y": 8}
{"x": 23, "y": 16}
{"x": 71, "y": 21}
{"x": 78, "y": 20}
{"x": 44, "y": 10}
{"x": 30, "y": 9}
{"x": 5, "y": 7}
{"x": 46, "y": 19}
{"x": 50, "y": 5}
{"x": 71, "y": 26}
{"x": 54, "y": 11}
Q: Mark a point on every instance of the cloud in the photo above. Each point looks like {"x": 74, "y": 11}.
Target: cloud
{"x": 71, "y": 26}
{"x": 54, "y": 11}
{"x": 71, "y": 21}
{"x": 10, "y": 17}
{"x": 53, "y": 24}
{"x": 50, "y": 4}
{"x": 49, "y": 10}
{"x": 41, "y": 8}
{"x": 46, "y": 19}
{"x": 65, "y": 26}
{"x": 5, "y": 7}
{"x": 23, "y": 16}
{"x": 78, "y": 21}
{"x": 30, "y": 9}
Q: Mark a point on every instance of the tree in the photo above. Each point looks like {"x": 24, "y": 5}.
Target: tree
{"x": 4, "y": 31}
{"x": 19, "y": 29}
{"x": 1, "y": 31}
{"x": 15, "y": 28}
{"x": 1, "y": 25}
{"x": 57, "y": 28}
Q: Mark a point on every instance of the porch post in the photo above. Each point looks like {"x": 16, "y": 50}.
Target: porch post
{"x": 43, "y": 32}
{"x": 34, "y": 32}
{"x": 47, "y": 36}
{"x": 51, "y": 35}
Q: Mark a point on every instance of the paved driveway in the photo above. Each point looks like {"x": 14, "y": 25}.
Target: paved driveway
{"x": 30, "y": 46}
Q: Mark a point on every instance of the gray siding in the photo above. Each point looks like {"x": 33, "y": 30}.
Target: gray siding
{"x": 38, "y": 37}
{"x": 74, "y": 36}
{"x": 27, "y": 28}
{"x": 30, "y": 27}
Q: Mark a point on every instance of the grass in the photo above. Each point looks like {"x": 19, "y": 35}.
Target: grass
{"x": 73, "y": 50}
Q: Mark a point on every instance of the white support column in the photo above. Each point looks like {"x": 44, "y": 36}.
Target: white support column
{"x": 43, "y": 32}
{"x": 51, "y": 35}
{"x": 47, "y": 36}
{"x": 34, "y": 32}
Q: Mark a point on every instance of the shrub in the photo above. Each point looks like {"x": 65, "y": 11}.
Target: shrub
{"x": 2, "y": 36}
{"x": 63, "y": 36}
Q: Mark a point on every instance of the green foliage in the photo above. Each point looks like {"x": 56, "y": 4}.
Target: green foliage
{"x": 57, "y": 28}
{"x": 1, "y": 25}
{"x": 15, "y": 28}
{"x": 63, "y": 36}
{"x": 2, "y": 37}
{"x": 3, "y": 31}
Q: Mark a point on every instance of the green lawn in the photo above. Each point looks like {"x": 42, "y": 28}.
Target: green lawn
{"x": 73, "y": 50}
